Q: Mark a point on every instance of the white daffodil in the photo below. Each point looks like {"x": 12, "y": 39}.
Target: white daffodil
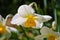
{"x": 27, "y": 17}
{"x": 48, "y": 33}
{"x": 5, "y": 30}
{"x": 10, "y": 28}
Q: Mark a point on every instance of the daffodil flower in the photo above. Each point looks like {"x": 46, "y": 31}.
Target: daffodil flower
{"x": 10, "y": 28}
{"x": 5, "y": 31}
{"x": 48, "y": 33}
{"x": 27, "y": 17}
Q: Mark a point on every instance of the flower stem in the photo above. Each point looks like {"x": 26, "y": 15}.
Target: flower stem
{"x": 24, "y": 32}
{"x": 55, "y": 13}
{"x": 39, "y": 10}
{"x": 45, "y": 6}
{"x": 55, "y": 17}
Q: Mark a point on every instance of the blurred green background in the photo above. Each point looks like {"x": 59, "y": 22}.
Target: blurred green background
{"x": 11, "y": 6}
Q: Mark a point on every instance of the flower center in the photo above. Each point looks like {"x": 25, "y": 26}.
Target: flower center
{"x": 2, "y": 29}
{"x": 30, "y": 21}
{"x": 51, "y": 37}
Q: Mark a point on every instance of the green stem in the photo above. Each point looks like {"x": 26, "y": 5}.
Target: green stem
{"x": 45, "y": 6}
{"x": 24, "y": 32}
{"x": 35, "y": 4}
{"x": 55, "y": 12}
{"x": 55, "y": 17}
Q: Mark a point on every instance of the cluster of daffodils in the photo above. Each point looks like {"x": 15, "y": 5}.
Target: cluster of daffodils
{"x": 5, "y": 31}
{"x": 27, "y": 17}
{"x": 48, "y": 33}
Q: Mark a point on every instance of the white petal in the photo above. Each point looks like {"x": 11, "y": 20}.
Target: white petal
{"x": 38, "y": 24}
{"x": 58, "y": 38}
{"x": 25, "y": 10}
{"x": 13, "y": 29}
{"x": 15, "y": 16}
{"x": 39, "y": 37}
{"x": 18, "y": 20}
{"x": 57, "y": 34}
{"x": 46, "y": 17}
{"x": 8, "y": 34}
{"x": 43, "y": 18}
{"x": 46, "y": 31}
{"x": 7, "y": 29}
{"x": 54, "y": 25}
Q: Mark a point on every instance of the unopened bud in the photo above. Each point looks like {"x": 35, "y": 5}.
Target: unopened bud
{"x": 54, "y": 25}
{"x": 33, "y": 3}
